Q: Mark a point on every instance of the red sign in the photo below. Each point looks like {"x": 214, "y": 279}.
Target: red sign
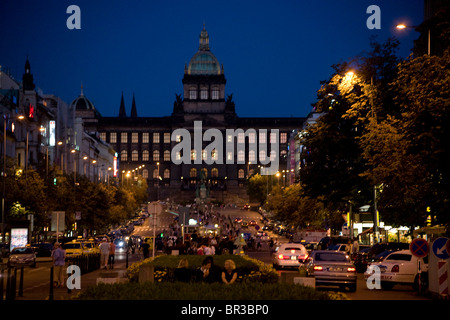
{"x": 419, "y": 247}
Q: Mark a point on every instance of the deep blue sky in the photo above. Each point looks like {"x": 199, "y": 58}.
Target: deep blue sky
{"x": 275, "y": 53}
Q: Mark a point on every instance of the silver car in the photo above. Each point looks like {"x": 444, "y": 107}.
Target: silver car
{"x": 22, "y": 256}
{"x": 331, "y": 268}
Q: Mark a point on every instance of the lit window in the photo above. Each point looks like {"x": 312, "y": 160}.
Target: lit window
{"x": 193, "y": 155}
{"x": 241, "y": 174}
{"x": 241, "y": 137}
{"x": 145, "y": 137}
{"x": 273, "y": 137}
{"x": 193, "y": 173}
{"x": 167, "y": 155}
{"x": 155, "y": 173}
{"x": 251, "y": 137}
{"x": 103, "y": 136}
{"x": 155, "y": 155}
{"x": 214, "y": 172}
{"x": 262, "y": 137}
{"x": 166, "y": 137}
{"x": 145, "y": 174}
{"x": 123, "y": 155}
{"x": 241, "y": 156}
{"x": 262, "y": 155}
{"x": 166, "y": 174}
{"x": 134, "y": 155}
{"x": 251, "y": 156}
{"x": 283, "y": 137}
{"x": 145, "y": 155}
{"x": 155, "y": 137}
{"x": 113, "y": 137}
{"x": 214, "y": 155}
{"x": 205, "y": 172}
{"x": 204, "y": 155}
{"x": 134, "y": 137}
{"x": 124, "y": 137}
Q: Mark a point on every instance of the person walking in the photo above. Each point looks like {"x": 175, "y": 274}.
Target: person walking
{"x": 104, "y": 253}
{"x": 112, "y": 254}
{"x": 59, "y": 260}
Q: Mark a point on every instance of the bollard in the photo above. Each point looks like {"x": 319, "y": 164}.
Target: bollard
{"x": 21, "y": 283}
{"x": 50, "y": 296}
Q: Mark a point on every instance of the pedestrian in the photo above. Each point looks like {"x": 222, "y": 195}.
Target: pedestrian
{"x": 104, "y": 253}
{"x": 182, "y": 272}
{"x": 146, "y": 249}
{"x": 229, "y": 275}
{"x": 59, "y": 260}
{"x": 112, "y": 254}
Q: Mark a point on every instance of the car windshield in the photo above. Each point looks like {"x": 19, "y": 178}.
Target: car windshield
{"x": 72, "y": 246}
{"x": 334, "y": 247}
{"x": 331, "y": 256}
{"x": 89, "y": 245}
{"x": 22, "y": 251}
{"x": 292, "y": 248}
{"x": 399, "y": 256}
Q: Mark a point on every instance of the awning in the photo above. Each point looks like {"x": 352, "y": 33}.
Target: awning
{"x": 429, "y": 230}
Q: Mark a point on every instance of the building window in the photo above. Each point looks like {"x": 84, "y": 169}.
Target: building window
{"x": 241, "y": 137}
{"x": 230, "y": 156}
{"x": 134, "y": 137}
{"x": 215, "y": 93}
{"x": 124, "y": 137}
{"x": 145, "y": 137}
{"x": 166, "y": 137}
{"x": 262, "y": 155}
{"x": 113, "y": 137}
{"x": 145, "y": 174}
{"x": 204, "y": 155}
{"x": 155, "y": 174}
{"x": 252, "y": 156}
{"x": 273, "y": 137}
{"x": 241, "y": 156}
{"x": 205, "y": 173}
{"x": 134, "y": 155}
{"x": 145, "y": 155}
{"x": 214, "y": 155}
{"x": 262, "y": 137}
{"x": 155, "y": 137}
{"x": 251, "y": 137}
{"x": 124, "y": 155}
{"x": 103, "y": 136}
{"x": 241, "y": 174}
{"x": 192, "y": 93}
{"x": 166, "y": 174}
{"x": 283, "y": 137}
{"x": 167, "y": 155}
{"x": 204, "y": 93}
{"x": 193, "y": 154}
{"x": 214, "y": 172}
{"x": 193, "y": 173}
{"x": 155, "y": 155}
{"x": 178, "y": 155}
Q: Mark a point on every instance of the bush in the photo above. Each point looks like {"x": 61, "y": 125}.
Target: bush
{"x": 201, "y": 291}
{"x": 249, "y": 270}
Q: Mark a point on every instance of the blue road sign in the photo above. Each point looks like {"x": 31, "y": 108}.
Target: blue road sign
{"x": 439, "y": 248}
{"x": 419, "y": 247}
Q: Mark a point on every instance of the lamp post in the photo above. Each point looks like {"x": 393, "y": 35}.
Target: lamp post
{"x": 402, "y": 26}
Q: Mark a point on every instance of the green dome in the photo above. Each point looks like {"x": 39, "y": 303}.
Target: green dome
{"x": 204, "y": 63}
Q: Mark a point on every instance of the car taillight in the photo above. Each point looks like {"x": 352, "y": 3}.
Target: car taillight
{"x": 395, "y": 268}
{"x": 351, "y": 269}
{"x": 318, "y": 268}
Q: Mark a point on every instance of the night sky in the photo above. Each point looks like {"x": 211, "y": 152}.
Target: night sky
{"x": 274, "y": 53}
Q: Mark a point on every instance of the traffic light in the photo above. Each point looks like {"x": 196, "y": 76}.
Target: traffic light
{"x": 54, "y": 181}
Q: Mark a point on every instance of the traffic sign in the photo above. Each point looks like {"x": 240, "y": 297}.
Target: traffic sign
{"x": 419, "y": 247}
{"x": 439, "y": 248}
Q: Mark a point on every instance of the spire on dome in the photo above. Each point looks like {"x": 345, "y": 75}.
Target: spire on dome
{"x": 204, "y": 39}
{"x": 122, "y": 112}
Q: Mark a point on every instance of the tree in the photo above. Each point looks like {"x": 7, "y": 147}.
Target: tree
{"x": 257, "y": 187}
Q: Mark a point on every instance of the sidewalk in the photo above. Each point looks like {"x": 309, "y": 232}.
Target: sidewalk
{"x": 42, "y": 291}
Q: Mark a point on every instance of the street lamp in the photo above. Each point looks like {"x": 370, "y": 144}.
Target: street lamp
{"x": 403, "y": 26}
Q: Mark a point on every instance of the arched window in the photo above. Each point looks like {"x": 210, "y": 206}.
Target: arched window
{"x": 192, "y": 93}
{"x": 215, "y": 93}
{"x": 145, "y": 174}
{"x": 204, "y": 93}
{"x": 214, "y": 172}
{"x": 145, "y": 155}
{"x": 241, "y": 156}
{"x": 167, "y": 155}
{"x": 155, "y": 173}
{"x": 166, "y": 174}
{"x": 155, "y": 155}
{"x": 193, "y": 173}
{"x": 124, "y": 155}
{"x": 262, "y": 155}
{"x": 241, "y": 174}
{"x": 134, "y": 155}
{"x": 193, "y": 154}
{"x": 251, "y": 156}
{"x": 205, "y": 172}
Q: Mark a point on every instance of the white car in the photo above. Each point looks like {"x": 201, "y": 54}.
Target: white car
{"x": 289, "y": 255}
{"x": 399, "y": 267}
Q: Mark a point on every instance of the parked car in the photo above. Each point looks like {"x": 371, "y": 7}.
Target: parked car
{"x": 399, "y": 267}
{"x": 289, "y": 255}
{"x": 22, "y": 256}
{"x": 340, "y": 247}
{"x": 43, "y": 249}
{"x": 252, "y": 223}
{"x": 331, "y": 268}
{"x": 310, "y": 246}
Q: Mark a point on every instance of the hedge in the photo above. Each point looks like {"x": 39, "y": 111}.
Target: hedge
{"x": 201, "y": 291}
{"x": 249, "y": 270}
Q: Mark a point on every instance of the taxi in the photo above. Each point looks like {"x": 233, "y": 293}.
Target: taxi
{"x": 73, "y": 248}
